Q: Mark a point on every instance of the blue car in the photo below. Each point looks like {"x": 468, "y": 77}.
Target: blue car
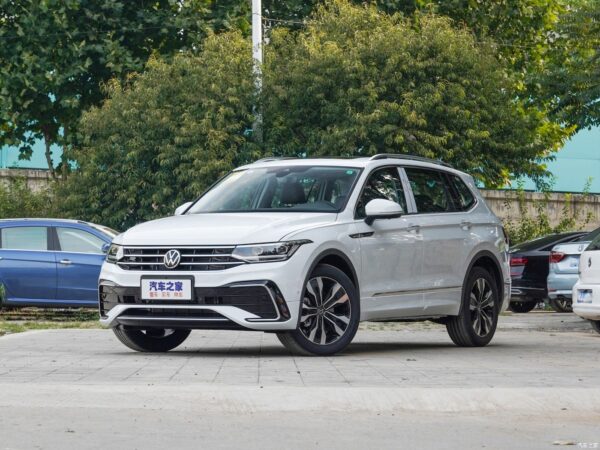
{"x": 51, "y": 262}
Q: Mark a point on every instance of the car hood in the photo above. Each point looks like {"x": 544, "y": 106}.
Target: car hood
{"x": 222, "y": 228}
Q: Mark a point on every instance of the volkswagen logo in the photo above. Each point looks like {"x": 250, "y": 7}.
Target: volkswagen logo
{"x": 589, "y": 262}
{"x": 172, "y": 259}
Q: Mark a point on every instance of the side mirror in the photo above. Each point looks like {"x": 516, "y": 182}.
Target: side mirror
{"x": 382, "y": 209}
{"x": 180, "y": 210}
{"x": 105, "y": 247}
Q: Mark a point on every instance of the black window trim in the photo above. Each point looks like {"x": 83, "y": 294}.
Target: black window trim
{"x": 398, "y": 168}
{"x": 445, "y": 174}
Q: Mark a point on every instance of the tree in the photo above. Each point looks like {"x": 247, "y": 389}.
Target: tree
{"x": 356, "y": 82}
{"x": 55, "y": 56}
{"x": 572, "y": 77}
{"x": 165, "y": 136}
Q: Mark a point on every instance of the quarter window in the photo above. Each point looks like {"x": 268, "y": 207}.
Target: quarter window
{"x": 430, "y": 189}
{"x": 463, "y": 197}
{"x": 78, "y": 241}
{"x": 25, "y": 238}
{"x": 385, "y": 184}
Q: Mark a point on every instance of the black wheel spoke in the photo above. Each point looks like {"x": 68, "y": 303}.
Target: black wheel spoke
{"x": 482, "y": 307}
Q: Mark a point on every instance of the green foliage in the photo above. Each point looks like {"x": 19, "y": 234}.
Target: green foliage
{"x": 356, "y": 82}
{"x": 56, "y": 54}
{"x": 165, "y": 137}
{"x": 532, "y": 220}
{"x": 572, "y": 77}
{"x": 18, "y": 200}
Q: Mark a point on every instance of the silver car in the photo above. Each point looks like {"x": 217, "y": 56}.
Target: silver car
{"x": 564, "y": 271}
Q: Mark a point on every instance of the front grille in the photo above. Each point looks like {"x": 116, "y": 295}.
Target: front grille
{"x": 192, "y": 258}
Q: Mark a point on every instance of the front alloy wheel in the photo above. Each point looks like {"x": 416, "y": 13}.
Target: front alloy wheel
{"x": 329, "y": 314}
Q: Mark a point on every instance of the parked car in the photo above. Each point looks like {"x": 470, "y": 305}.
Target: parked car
{"x": 307, "y": 248}
{"x": 51, "y": 262}
{"x": 564, "y": 271}
{"x": 586, "y": 292}
{"x": 529, "y": 263}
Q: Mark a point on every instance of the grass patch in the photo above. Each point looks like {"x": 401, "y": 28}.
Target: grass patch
{"x": 17, "y": 320}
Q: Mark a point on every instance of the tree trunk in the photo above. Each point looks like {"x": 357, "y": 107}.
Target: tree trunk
{"x": 48, "y": 152}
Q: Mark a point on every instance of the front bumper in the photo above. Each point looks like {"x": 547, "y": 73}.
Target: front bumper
{"x": 591, "y": 309}
{"x": 237, "y": 305}
{"x": 210, "y": 307}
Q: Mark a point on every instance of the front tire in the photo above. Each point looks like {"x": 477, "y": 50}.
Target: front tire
{"x": 329, "y": 314}
{"x": 561, "y": 305}
{"x": 476, "y": 324}
{"x": 522, "y": 307}
{"x": 155, "y": 340}
{"x": 595, "y": 325}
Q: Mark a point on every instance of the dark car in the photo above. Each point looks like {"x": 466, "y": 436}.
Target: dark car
{"x": 51, "y": 262}
{"x": 529, "y": 263}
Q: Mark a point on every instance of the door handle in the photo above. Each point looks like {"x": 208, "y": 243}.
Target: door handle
{"x": 66, "y": 262}
{"x": 466, "y": 225}
{"x": 414, "y": 228}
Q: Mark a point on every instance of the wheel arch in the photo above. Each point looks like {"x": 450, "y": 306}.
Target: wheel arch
{"x": 338, "y": 259}
{"x": 488, "y": 261}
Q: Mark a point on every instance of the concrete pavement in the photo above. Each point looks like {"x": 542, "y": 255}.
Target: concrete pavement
{"x": 537, "y": 385}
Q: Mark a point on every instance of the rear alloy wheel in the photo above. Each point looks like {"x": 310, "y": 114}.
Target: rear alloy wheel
{"x": 562, "y": 305}
{"x": 522, "y": 307}
{"x": 595, "y": 325}
{"x": 329, "y": 314}
{"x": 157, "y": 340}
{"x": 476, "y": 324}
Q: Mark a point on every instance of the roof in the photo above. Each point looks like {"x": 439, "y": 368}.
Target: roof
{"x": 41, "y": 219}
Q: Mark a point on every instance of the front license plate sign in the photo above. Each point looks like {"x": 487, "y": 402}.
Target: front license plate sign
{"x": 166, "y": 289}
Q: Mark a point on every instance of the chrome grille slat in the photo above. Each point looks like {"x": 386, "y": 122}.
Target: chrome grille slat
{"x": 200, "y": 258}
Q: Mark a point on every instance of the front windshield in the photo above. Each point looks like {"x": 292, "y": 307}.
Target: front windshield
{"x": 291, "y": 188}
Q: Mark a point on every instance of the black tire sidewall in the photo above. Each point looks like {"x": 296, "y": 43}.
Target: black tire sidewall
{"x": 332, "y": 272}
{"x": 136, "y": 339}
{"x": 522, "y": 307}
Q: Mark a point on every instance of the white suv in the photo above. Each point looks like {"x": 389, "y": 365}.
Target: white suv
{"x": 308, "y": 248}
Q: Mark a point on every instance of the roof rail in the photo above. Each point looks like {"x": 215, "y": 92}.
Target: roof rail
{"x": 409, "y": 157}
{"x": 273, "y": 158}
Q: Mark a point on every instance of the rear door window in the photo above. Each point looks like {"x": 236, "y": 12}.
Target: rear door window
{"x": 24, "y": 238}
{"x": 431, "y": 190}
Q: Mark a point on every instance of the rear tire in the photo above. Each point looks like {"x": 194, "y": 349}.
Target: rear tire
{"x": 561, "y": 305}
{"x": 476, "y": 324}
{"x": 155, "y": 340}
{"x": 329, "y": 314}
{"x": 595, "y": 325}
{"x": 522, "y": 307}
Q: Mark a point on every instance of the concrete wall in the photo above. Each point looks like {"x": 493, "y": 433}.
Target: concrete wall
{"x": 36, "y": 179}
{"x": 505, "y": 204}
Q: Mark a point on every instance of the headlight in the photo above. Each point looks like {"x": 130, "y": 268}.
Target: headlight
{"x": 277, "y": 251}
{"x": 114, "y": 253}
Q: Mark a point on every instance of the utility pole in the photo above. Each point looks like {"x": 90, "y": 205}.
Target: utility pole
{"x": 257, "y": 56}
